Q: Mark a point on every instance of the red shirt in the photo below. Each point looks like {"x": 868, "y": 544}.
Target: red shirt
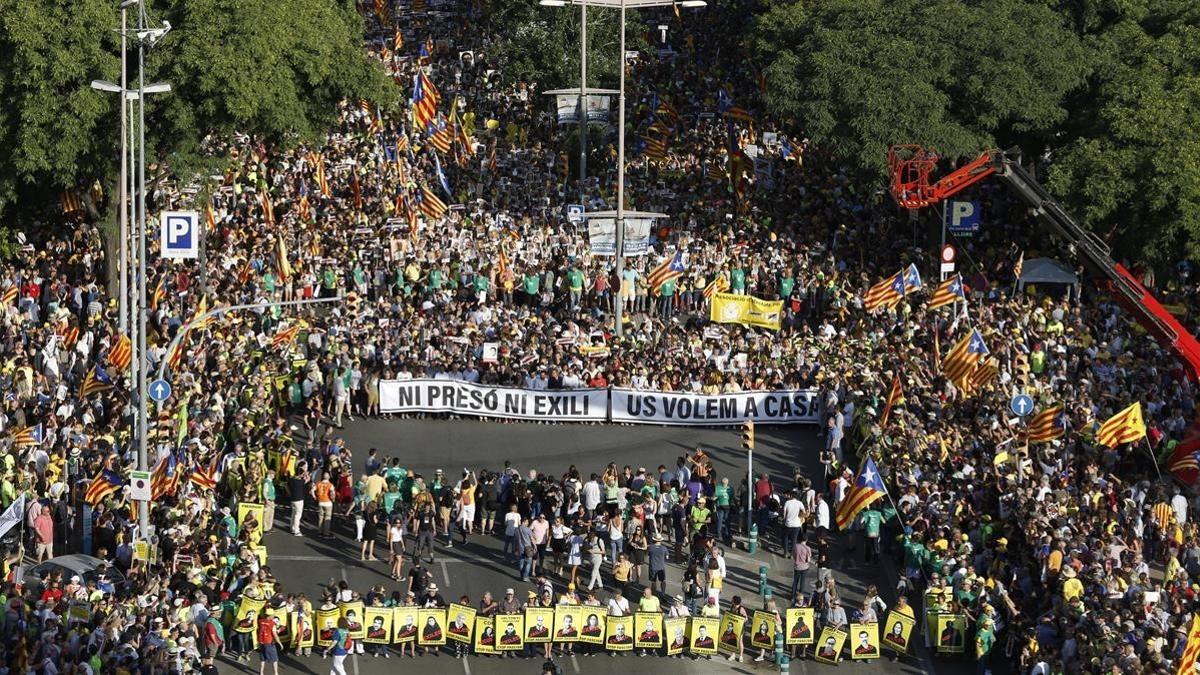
{"x": 266, "y": 630}
{"x": 43, "y": 525}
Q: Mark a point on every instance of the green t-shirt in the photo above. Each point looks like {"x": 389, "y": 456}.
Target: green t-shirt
{"x": 481, "y": 283}
{"x": 269, "y": 282}
{"x": 328, "y": 279}
{"x": 268, "y": 489}
{"x": 871, "y": 520}
{"x": 737, "y": 279}
{"x": 575, "y": 279}
{"x": 721, "y": 494}
{"x": 984, "y": 640}
{"x": 786, "y": 284}
{"x": 667, "y": 290}
{"x": 435, "y": 279}
{"x": 532, "y": 284}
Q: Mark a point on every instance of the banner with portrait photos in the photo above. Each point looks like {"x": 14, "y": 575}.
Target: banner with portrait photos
{"x": 461, "y": 623}
{"x": 732, "y": 626}
{"x": 379, "y": 625}
{"x": 864, "y": 641}
{"x": 485, "y": 635}
{"x": 898, "y": 631}
{"x": 675, "y": 631}
{"x": 702, "y": 636}
{"x": 510, "y": 629}
{"x": 649, "y": 630}
{"x": 404, "y": 625}
{"x": 829, "y": 647}
{"x": 431, "y": 622}
{"x": 799, "y": 623}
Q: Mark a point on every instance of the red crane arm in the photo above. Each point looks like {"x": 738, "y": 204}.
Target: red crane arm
{"x": 911, "y": 166}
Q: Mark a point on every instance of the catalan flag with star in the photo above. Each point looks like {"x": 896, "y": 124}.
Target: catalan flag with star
{"x": 106, "y": 483}
{"x": 671, "y": 268}
{"x": 867, "y": 489}
{"x": 164, "y": 478}
{"x": 32, "y": 435}
{"x": 948, "y": 292}
{"x": 912, "y": 279}
{"x": 886, "y": 294}
{"x": 96, "y": 381}
{"x": 1124, "y": 427}
{"x": 1048, "y": 424}
{"x": 719, "y": 284}
{"x": 121, "y": 354}
{"x": 963, "y": 359}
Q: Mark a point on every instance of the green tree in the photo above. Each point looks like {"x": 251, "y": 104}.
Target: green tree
{"x": 272, "y": 69}
{"x": 1130, "y": 164}
{"x": 860, "y": 75}
{"x": 542, "y": 43}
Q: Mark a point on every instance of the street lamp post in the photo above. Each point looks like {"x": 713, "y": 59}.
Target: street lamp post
{"x": 622, "y": 5}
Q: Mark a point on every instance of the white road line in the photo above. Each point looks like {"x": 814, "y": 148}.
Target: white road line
{"x": 466, "y": 661}
{"x": 445, "y": 572}
{"x": 574, "y": 663}
{"x": 353, "y": 655}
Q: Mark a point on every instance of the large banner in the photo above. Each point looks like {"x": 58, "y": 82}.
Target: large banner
{"x": 746, "y": 310}
{"x": 602, "y": 235}
{"x": 465, "y": 398}
{"x": 801, "y": 406}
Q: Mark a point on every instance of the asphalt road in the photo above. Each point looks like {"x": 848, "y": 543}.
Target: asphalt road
{"x": 304, "y": 563}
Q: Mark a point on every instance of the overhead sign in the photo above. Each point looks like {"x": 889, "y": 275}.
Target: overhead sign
{"x": 179, "y": 234}
{"x": 160, "y": 390}
{"x": 139, "y": 486}
{"x": 567, "y": 106}
{"x": 575, "y": 213}
{"x": 963, "y": 217}
{"x": 602, "y": 234}
{"x": 1021, "y": 405}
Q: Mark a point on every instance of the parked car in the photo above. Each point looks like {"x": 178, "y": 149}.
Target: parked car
{"x": 85, "y": 566}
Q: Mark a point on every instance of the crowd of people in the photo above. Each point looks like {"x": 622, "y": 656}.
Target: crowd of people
{"x": 1075, "y": 557}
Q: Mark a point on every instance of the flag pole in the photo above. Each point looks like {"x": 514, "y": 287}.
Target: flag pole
{"x": 1150, "y": 451}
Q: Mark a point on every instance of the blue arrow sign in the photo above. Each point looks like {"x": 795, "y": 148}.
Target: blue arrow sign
{"x": 160, "y": 390}
{"x": 1021, "y": 405}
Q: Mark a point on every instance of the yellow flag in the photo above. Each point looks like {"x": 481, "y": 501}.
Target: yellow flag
{"x": 1124, "y": 427}
{"x": 1188, "y": 661}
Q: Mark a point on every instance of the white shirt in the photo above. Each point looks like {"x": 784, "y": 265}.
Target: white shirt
{"x": 1180, "y": 506}
{"x": 512, "y": 520}
{"x": 793, "y": 513}
{"x": 618, "y": 606}
{"x": 823, "y": 514}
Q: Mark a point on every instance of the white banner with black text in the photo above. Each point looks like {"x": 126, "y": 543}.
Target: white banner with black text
{"x": 465, "y": 398}
{"x": 766, "y": 407}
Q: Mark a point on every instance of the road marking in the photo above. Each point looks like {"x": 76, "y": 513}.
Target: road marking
{"x": 337, "y": 558}
{"x": 445, "y": 573}
{"x": 466, "y": 665}
{"x": 574, "y": 663}
{"x": 353, "y": 654}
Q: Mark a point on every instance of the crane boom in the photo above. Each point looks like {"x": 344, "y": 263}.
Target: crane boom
{"x": 911, "y": 166}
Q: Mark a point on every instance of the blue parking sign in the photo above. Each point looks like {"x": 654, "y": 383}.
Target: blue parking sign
{"x": 963, "y": 217}
{"x": 179, "y": 234}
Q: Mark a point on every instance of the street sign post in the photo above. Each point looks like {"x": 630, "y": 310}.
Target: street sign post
{"x": 139, "y": 485}
{"x": 179, "y": 234}
{"x": 160, "y": 390}
{"x": 1021, "y": 405}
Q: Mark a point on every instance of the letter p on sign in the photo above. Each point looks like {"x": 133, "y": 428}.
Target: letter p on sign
{"x": 964, "y": 216}
{"x": 180, "y": 234}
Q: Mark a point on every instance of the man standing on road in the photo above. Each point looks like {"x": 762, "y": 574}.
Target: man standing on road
{"x": 801, "y": 561}
{"x": 43, "y": 528}
{"x": 268, "y": 643}
{"x": 657, "y": 557}
{"x": 426, "y": 526}
{"x": 297, "y": 488}
{"x": 722, "y": 495}
{"x": 591, "y": 496}
{"x": 793, "y": 520}
{"x": 322, "y": 492}
{"x": 871, "y": 521}
{"x": 525, "y": 549}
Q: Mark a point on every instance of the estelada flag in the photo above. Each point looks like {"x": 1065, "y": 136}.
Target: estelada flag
{"x": 947, "y": 292}
{"x": 1048, "y": 424}
{"x": 963, "y": 359}
{"x": 671, "y": 268}
{"x": 886, "y": 293}
{"x": 868, "y": 487}
{"x": 1124, "y": 427}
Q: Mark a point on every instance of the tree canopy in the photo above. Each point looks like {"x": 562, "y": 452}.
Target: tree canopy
{"x": 274, "y": 69}
{"x": 1108, "y": 90}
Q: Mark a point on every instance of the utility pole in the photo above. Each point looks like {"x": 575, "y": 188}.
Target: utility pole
{"x": 748, "y": 446}
{"x": 123, "y": 215}
{"x": 583, "y": 122}
{"x": 618, "y": 307}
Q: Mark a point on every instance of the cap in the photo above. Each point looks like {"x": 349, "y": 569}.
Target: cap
{"x": 509, "y": 591}
{"x": 679, "y": 598}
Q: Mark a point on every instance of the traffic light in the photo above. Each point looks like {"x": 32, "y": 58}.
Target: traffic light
{"x": 1021, "y": 366}
{"x": 748, "y": 435}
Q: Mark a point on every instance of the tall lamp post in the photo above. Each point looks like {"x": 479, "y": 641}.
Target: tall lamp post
{"x": 146, "y": 37}
{"x": 620, "y": 213}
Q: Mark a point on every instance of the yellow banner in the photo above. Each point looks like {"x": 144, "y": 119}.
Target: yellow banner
{"x": 746, "y": 310}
